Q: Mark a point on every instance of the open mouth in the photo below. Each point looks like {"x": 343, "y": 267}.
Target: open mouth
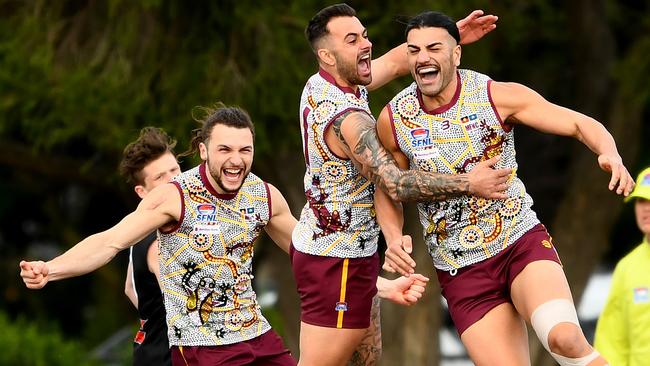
{"x": 363, "y": 65}
{"x": 232, "y": 174}
{"x": 428, "y": 73}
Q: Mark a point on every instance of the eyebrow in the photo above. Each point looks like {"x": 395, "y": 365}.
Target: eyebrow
{"x": 235, "y": 148}
{"x": 427, "y": 46}
{"x": 364, "y": 31}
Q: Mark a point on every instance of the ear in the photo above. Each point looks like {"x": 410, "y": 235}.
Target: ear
{"x": 457, "y": 53}
{"x": 325, "y": 56}
{"x": 203, "y": 151}
{"x": 140, "y": 191}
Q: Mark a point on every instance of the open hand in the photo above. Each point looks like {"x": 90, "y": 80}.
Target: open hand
{"x": 487, "y": 182}
{"x": 621, "y": 181}
{"x": 474, "y": 26}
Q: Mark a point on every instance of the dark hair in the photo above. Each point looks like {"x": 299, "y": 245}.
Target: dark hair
{"x": 317, "y": 27}
{"x": 218, "y": 114}
{"x": 433, "y": 19}
{"x": 152, "y": 143}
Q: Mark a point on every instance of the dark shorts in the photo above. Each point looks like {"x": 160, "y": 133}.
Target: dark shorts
{"x": 266, "y": 349}
{"x": 335, "y": 292}
{"x": 480, "y": 287}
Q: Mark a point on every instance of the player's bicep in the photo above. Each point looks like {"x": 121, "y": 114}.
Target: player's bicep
{"x": 282, "y": 223}
{"x": 387, "y": 138}
{"x": 360, "y": 134}
{"x": 159, "y": 207}
{"x": 133, "y": 228}
{"x": 518, "y": 104}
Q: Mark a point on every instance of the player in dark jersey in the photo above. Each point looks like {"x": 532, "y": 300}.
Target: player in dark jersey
{"x": 147, "y": 163}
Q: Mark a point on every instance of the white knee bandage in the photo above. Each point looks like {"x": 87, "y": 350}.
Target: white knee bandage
{"x": 550, "y": 314}
{"x": 581, "y": 361}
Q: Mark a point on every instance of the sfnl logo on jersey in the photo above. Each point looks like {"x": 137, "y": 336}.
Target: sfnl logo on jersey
{"x": 206, "y": 212}
{"x": 420, "y": 137}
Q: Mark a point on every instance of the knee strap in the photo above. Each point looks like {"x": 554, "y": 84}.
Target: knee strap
{"x": 580, "y": 361}
{"x": 550, "y": 314}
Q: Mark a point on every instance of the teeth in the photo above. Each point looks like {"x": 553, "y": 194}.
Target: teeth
{"x": 426, "y": 70}
{"x": 232, "y": 171}
{"x": 365, "y": 57}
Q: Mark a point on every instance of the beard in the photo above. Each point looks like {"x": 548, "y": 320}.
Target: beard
{"x": 217, "y": 175}
{"x": 348, "y": 71}
{"x": 445, "y": 77}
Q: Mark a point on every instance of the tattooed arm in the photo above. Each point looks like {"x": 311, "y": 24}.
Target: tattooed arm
{"x": 354, "y": 135}
{"x": 390, "y": 215}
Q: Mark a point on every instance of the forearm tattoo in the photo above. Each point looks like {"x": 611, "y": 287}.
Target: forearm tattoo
{"x": 368, "y": 352}
{"x": 378, "y": 165}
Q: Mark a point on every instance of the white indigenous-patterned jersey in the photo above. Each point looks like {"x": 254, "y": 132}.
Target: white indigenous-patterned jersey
{"x": 205, "y": 262}
{"x": 339, "y": 217}
{"x": 452, "y": 139}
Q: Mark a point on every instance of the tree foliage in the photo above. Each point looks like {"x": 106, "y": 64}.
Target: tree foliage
{"x": 24, "y": 343}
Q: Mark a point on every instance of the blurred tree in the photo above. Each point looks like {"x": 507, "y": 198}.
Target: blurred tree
{"x": 24, "y": 343}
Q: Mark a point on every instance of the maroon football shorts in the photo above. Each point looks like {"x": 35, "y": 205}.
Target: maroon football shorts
{"x": 335, "y": 292}
{"x": 480, "y": 287}
{"x": 266, "y": 349}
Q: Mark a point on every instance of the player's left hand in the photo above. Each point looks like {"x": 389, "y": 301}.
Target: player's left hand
{"x": 621, "y": 181}
{"x": 406, "y": 290}
{"x": 474, "y": 26}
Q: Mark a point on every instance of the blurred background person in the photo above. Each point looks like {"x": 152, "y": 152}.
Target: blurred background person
{"x": 623, "y": 330}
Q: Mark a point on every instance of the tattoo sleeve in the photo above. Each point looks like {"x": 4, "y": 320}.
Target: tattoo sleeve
{"x": 378, "y": 165}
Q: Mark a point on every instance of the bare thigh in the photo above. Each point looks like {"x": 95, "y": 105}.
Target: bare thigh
{"x": 321, "y": 346}
{"x": 368, "y": 352}
{"x": 498, "y": 339}
{"x": 538, "y": 283}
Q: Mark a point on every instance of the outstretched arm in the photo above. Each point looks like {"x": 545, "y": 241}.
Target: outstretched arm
{"x": 160, "y": 206}
{"x": 393, "y": 63}
{"x": 519, "y": 104}
{"x": 281, "y": 224}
